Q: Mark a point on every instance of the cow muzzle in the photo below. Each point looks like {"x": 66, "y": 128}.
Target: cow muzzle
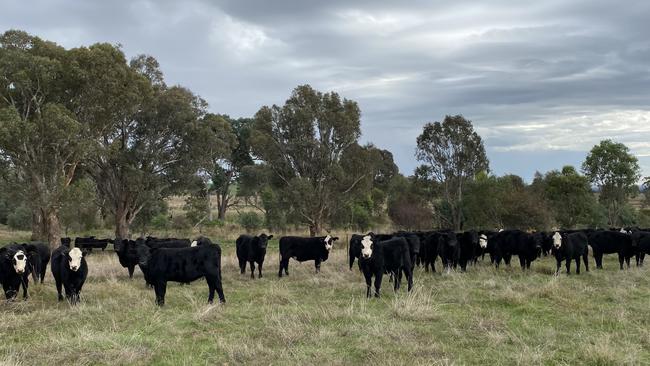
{"x": 74, "y": 268}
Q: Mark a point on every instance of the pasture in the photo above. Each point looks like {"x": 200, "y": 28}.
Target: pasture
{"x": 484, "y": 316}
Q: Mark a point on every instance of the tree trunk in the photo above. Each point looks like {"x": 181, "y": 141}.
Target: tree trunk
{"x": 37, "y": 225}
{"x": 121, "y": 223}
{"x": 53, "y": 228}
{"x": 314, "y": 229}
{"x": 223, "y": 207}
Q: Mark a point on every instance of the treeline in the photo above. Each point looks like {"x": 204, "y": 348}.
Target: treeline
{"x": 89, "y": 138}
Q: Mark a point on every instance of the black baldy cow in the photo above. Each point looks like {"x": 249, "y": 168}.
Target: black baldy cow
{"x": 251, "y": 249}
{"x": 183, "y": 265}
{"x": 315, "y": 249}
{"x": 569, "y": 247}
{"x": 387, "y": 256}
{"x": 70, "y": 270}
{"x": 14, "y": 270}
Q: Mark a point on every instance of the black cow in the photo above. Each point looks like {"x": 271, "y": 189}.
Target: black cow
{"x": 414, "y": 243}
{"x": 87, "y": 244}
{"x": 315, "y": 249}
{"x": 515, "y": 242}
{"x": 166, "y": 243}
{"x": 252, "y": 249}
{"x": 469, "y": 243}
{"x": 354, "y": 251}
{"x": 183, "y": 265}
{"x": 38, "y": 260}
{"x": 127, "y": 254}
{"x": 70, "y": 270}
{"x": 569, "y": 247}
{"x": 449, "y": 250}
{"x": 609, "y": 242}
{"x": 14, "y": 269}
{"x": 387, "y": 256}
{"x": 434, "y": 242}
{"x": 641, "y": 240}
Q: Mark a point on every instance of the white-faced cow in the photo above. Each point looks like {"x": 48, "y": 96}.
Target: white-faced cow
{"x": 252, "y": 249}
{"x": 183, "y": 265}
{"x": 387, "y": 256}
{"x": 14, "y": 270}
{"x": 315, "y": 249}
{"x": 570, "y": 247}
{"x": 70, "y": 270}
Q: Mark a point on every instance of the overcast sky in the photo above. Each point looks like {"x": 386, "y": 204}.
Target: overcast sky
{"x": 542, "y": 81}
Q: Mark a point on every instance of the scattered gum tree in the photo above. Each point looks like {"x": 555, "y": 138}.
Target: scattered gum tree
{"x": 611, "y": 167}
{"x": 452, "y": 153}
{"x": 41, "y": 136}
{"x": 303, "y": 143}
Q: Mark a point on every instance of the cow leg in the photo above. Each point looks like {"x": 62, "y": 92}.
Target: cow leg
{"x": 219, "y": 287}
{"x": 642, "y": 258}
{"x": 598, "y": 257}
{"x": 378, "y": 277}
{"x": 409, "y": 279}
{"x": 259, "y": 269}
{"x": 507, "y": 259}
{"x": 627, "y": 261}
{"x": 252, "y": 269}
{"x": 160, "y": 288}
{"x": 242, "y": 266}
{"x": 585, "y": 259}
{"x": 577, "y": 265}
{"x": 568, "y": 265}
{"x": 131, "y": 269}
{"x": 557, "y": 268}
{"x": 25, "y": 285}
{"x": 620, "y": 261}
{"x": 317, "y": 265}
{"x": 522, "y": 262}
{"x": 58, "y": 289}
{"x": 368, "y": 277}
{"x": 43, "y": 271}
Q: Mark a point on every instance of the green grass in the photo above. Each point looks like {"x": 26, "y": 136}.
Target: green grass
{"x": 485, "y": 316}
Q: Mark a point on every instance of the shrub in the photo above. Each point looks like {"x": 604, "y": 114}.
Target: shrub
{"x": 250, "y": 221}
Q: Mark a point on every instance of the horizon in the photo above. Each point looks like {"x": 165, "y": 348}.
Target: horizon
{"x": 542, "y": 84}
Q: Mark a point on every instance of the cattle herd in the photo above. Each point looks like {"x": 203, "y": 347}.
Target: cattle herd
{"x": 397, "y": 254}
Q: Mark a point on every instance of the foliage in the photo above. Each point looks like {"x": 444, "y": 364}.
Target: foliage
{"x": 20, "y": 218}
{"x": 452, "y": 154}
{"x": 250, "y": 221}
{"x": 408, "y": 207}
{"x": 79, "y": 210}
{"x": 303, "y": 143}
{"x": 615, "y": 171}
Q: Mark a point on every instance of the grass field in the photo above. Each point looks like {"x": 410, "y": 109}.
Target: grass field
{"x": 485, "y": 316}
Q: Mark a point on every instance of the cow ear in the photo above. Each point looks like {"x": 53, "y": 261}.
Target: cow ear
{"x": 335, "y": 238}
{"x": 270, "y": 237}
{"x": 84, "y": 252}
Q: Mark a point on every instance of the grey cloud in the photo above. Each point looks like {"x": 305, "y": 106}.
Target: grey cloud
{"x": 528, "y": 75}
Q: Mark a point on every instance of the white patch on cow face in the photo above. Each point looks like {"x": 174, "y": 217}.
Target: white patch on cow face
{"x": 75, "y": 259}
{"x": 20, "y": 262}
{"x": 328, "y": 243}
{"x": 500, "y": 230}
{"x": 482, "y": 241}
{"x": 194, "y": 243}
{"x": 557, "y": 240}
{"x": 366, "y": 247}
{"x": 624, "y": 231}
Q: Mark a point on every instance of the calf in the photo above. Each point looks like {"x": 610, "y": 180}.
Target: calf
{"x": 126, "y": 254}
{"x": 14, "y": 270}
{"x": 449, "y": 250}
{"x": 70, "y": 270}
{"x": 469, "y": 242}
{"x": 183, "y": 265}
{"x": 387, "y": 256}
{"x": 304, "y": 249}
{"x": 609, "y": 242}
{"x": 251, "y": 249}
{"x": 38, "y": 260}
{"x": 354, "y": 251}
{"x": 570, "y": 246}
{"x": 641, "y": 241}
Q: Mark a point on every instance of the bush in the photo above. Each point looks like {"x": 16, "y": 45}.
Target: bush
{"x": 180, "y": 223}
{"x": 160, "y": 221}
{"x": 250, "y": 221}
{"x": 20, "y": 218}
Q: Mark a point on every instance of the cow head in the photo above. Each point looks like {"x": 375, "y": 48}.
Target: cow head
{"x": 263, "y": 240}
{"x": 623, "y": 231}
{"x": 144, "y": 254}
{"x": 482, "y": 241}
{"x": 557, "y": 240}
{"x": 74, "y": 259}
{"x": 366, "y": 246}
{"x": 329, "y": 242}
{"x": 19, "y": 261}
